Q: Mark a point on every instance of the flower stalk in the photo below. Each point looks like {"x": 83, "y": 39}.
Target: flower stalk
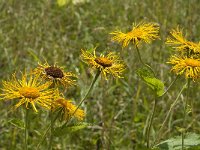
{"x": 26, "y": 129}
{"x": 151, "y": 122}
{"x": 185, "y": 113}
{"x": 169, "y": 112}
{"x": 48, "y": 128}
{"x": 144, "y": 64}
{"x": 86, "y": 95}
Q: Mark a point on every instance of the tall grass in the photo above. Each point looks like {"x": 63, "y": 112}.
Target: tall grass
{"x": 117, "y": 109}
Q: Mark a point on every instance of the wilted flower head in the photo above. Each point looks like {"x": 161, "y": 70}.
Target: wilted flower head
{"x": 179, "y": 42}
{"x": 55, "y": 74}
{"x": 29, "y": 90}
{"x": 189, "y": 66}
{"x": 68, "y": 109}
{"x": 142, "y": 32}
{"x": 109, "y": 64}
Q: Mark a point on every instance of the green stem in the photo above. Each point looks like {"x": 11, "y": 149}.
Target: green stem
{"x": 140, "y": 58}
{"x": 172, "y": 83}
{"x": 185, "y": 113}
{"x": 52, "y": 122}
{"x": 151, "y": 122}
{"x": 169, "y": 112}
{"x": 86, "y": 95}
{"x": 48, "y": 128}
{"x": 26, "y": 129}
{"x": 51, "y": 131}
{"x": 89, "y": 90}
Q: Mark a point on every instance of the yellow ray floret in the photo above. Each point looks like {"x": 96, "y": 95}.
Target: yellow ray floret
{"x": 179, "y": 42}
{"x": 109, "y": 64}
{"x": 189, "y": 66}
{"x": 55, "y": 74}
{"x": 29, "y": 91}
{"x": 143, "y": 32}
{"x": 68, "y": 109}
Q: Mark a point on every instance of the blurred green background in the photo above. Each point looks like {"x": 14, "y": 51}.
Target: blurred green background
{"x": 38, "y": 30}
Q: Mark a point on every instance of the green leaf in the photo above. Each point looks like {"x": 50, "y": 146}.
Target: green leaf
{"x": 155, "y": 84}
{"x": 60, "y": 131}
{"x": 145, "y": 72}
{"x": 191, "y": 141}
{"x": 17, "y": 123}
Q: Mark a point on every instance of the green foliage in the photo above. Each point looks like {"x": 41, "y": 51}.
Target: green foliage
{"x": 38, "y": 30}
{"x": 191, "y": 141}
{"x": 61, "y": 131}
{"x": 155, "y": 84}
{"x": 17, "y": 123}
{"x": 62, "y": 3}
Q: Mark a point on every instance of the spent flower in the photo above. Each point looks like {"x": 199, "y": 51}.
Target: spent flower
{"x": 68, "y": 109}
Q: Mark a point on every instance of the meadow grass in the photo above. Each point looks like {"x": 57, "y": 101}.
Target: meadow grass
{"x": 118, "y": 109}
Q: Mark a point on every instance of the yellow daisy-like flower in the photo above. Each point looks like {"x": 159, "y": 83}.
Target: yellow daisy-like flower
{"x": 190, "y": 66}
{"x": 109, "y": 64}
{"x": 143, "y": 32}
{"x": 29, "y": 91}
{"x": 55, "y": 74}
{"x": 68, "y": 109}
{"x": 179, "y": 42}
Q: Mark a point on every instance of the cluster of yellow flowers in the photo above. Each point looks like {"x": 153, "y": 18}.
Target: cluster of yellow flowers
{"x": 187, "y": 57}
{"x": 186, "y": 61}
{"x": 30, "y": 89}
{"x": 40, "y": 87}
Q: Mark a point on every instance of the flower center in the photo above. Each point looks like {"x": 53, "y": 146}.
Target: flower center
{"x": 29, "y": 92}
{"x": 103, "y": 61}
{"x": 192, "y": 62}
{"x": 54, "y": 72}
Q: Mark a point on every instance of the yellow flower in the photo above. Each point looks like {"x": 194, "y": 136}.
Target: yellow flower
{"x": 190, "y": 66}
{"x": 68, "y": 109}
{"x": 143, "y": 32}
{"x": 109, "y": 64}
{"x": 55, "y": 74}
{"x": 29, "y": 91}
{"x": 179, "y": 42}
